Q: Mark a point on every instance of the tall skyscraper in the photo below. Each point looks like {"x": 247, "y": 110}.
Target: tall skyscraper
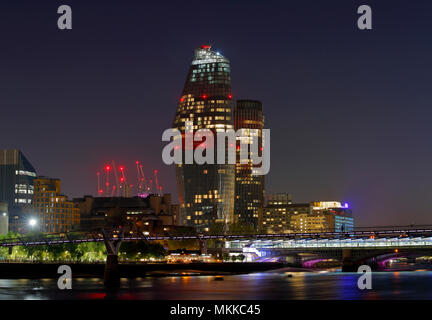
{"x": 249, "y": 188}
{"x": 16, "y": 179}
{"x": 206, "y": 192}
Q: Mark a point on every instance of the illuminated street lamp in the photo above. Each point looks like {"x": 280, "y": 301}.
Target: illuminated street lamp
{"x": 32, "y": 223}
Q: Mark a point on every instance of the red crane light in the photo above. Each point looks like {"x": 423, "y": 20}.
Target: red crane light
{"x": 121, "y": 168}
{"x": 107, "y": 168}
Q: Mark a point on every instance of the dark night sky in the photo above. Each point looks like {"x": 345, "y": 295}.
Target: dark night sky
{"x": 349, "y": 110}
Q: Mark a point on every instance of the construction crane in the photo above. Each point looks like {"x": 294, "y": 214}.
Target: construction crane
{"x": 120, "y": 186}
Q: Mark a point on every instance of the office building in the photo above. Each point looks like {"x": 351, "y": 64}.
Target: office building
{"x": 249, "y": 188}
{"x": 16, "y": 179}
{"x": 282, "y": 216}
{"x": 277, "y": 216}
{"x": 54, "y": 212}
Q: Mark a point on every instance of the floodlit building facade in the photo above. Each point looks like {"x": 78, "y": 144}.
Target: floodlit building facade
{"x": 54, "y": 212}
{"x": 320, "y": 216}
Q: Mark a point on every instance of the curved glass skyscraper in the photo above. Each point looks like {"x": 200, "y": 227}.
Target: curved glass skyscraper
{"x": 206, "y": 192}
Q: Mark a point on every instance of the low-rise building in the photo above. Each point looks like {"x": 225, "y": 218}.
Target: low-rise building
{"x": 280, "y": 216}
{"x": 277, "y": 216}
{"x": 149, "y": 215}
{"x": 54, "y": 212}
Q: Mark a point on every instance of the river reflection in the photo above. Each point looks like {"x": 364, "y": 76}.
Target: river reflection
{"x": 267, "y": 285}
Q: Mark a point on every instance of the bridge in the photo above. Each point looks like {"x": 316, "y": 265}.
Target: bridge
{"x": 371, "y": 246}
{"x": 355, "y": 238}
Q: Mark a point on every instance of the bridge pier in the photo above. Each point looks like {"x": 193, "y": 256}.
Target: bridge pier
{"x": 294, "y": 260}
{"x": 203, "y": 246}
{"x": 112, "y": 272}
{"x": 348, "y": 265}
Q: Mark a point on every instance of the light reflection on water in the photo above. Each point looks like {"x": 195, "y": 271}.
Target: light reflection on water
{"x": 267, "y": 285}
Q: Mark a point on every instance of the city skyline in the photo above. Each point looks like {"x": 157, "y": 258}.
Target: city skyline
{"x": 348, "y": 113}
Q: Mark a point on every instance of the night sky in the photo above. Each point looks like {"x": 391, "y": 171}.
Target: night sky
{"x": 349, "y": 110}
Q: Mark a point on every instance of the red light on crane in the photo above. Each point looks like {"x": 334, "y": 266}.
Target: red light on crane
{"x": 121, "y": 168}
{"x": 107, "y": 168}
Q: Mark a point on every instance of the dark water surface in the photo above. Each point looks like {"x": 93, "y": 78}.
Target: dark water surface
{"x": 267, "y": 285}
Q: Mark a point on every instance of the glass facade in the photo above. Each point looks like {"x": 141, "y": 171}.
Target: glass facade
{"x": 249, "y": 188}
{"x": 16, "y": 179}
{"x": 206, "y": 192}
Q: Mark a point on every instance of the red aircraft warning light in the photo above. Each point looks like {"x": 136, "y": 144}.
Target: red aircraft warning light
{"x": 230, "y": 96}
{"x": 121, "y": 168}
{"x": 107, "y": 168}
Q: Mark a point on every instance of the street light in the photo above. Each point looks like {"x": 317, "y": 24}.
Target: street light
{"x": 32, "y": 222}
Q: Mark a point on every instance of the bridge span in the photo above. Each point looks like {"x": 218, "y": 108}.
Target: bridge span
{"x": 361, "y": 246}
{"x": 361, "y": 237}
{"x": 350, "y": 252}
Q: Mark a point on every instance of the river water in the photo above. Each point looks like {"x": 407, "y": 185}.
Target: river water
{"x": 266, "y": 285}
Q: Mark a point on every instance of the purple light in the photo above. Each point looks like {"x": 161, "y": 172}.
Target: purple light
{"x": 346, "y": 205}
